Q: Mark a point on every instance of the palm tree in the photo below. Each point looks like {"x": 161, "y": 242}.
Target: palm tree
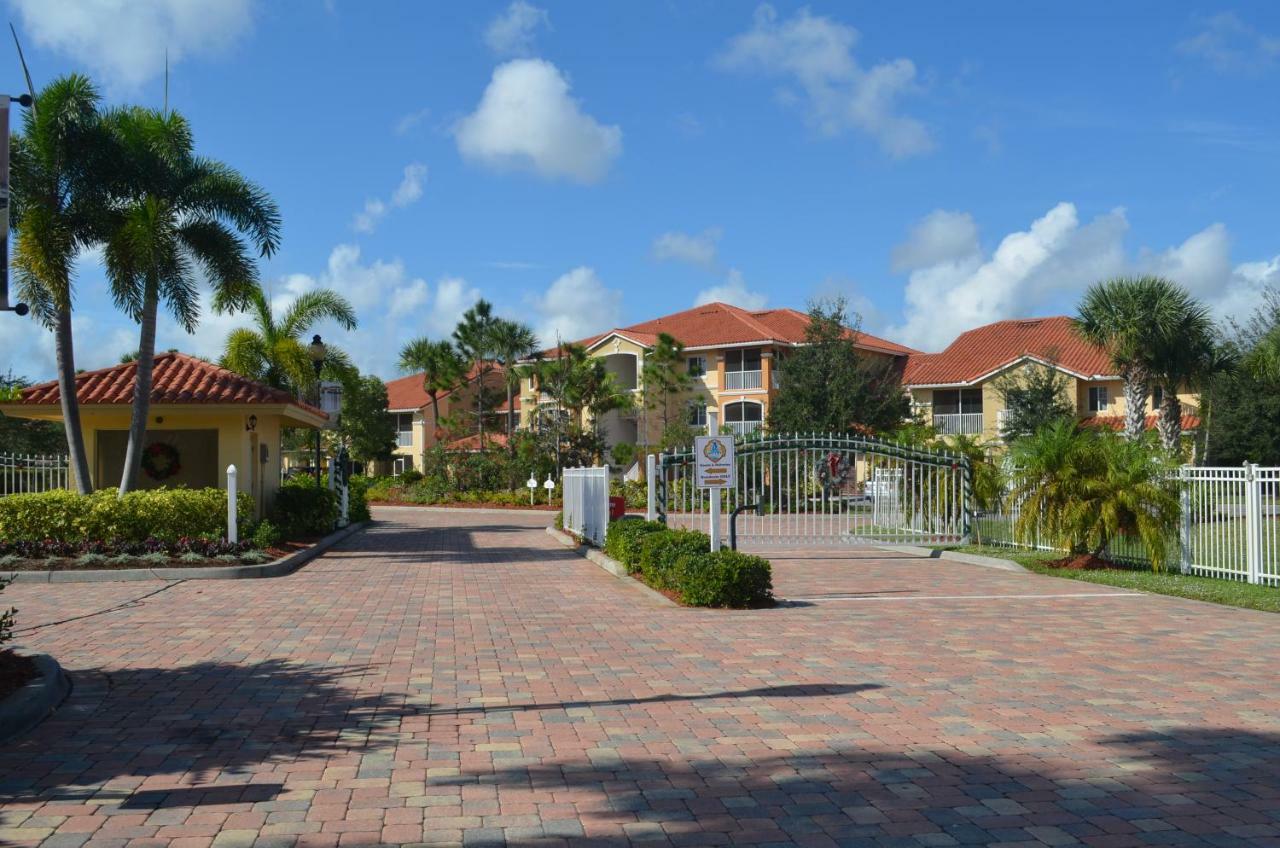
{"x": 474, "y": 339}
{"x": 60, "y": 165}
{"x": 178, "y": 211}
{"x": 1184, "y": 358}
{"x": 275, "y": 352}
{"x": 510, "y": 342}
{"x": 442, "y": 367}
{"x": 1132, "y": 318}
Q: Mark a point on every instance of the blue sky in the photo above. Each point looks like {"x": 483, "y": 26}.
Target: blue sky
{"x": 585, "y": 165}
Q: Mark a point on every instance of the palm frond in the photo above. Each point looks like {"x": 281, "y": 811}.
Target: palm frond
{"x": 315, "y": 306}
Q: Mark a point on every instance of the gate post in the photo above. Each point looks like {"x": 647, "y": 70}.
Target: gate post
{"x": 713, "y": 508}
{"x": 651, "y": 484}
{"x": 1253, "y": 521}
{"x": 1184, "y": 503}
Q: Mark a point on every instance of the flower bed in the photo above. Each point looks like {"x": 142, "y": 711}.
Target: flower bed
{"x": 680, "y": 564}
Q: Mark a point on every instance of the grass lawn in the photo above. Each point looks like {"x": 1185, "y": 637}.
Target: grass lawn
{"x": 1214, "y": 590}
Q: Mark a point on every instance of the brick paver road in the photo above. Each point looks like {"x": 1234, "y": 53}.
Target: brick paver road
{"x": 450, "y": 677}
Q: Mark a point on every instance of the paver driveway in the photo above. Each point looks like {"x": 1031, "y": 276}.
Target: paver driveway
{"x": 453, "y": 677}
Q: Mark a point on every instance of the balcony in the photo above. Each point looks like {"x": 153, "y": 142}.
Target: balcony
{"x": 743, "y": 428}
{"x": 742, "y": 380}
{"x": 963, "y": 424}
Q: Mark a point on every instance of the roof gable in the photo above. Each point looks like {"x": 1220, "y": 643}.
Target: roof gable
{"x": 980, "y": 352}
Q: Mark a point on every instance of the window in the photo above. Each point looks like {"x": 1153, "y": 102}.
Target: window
{"x": 743, "y": 417}
{"x": 742, "y": 369}
{"x": 404, "y": 429}
{"x": 400, "y": 465}
{"x": 697, "y": 415}
{"x": 957, "y": 401}
{"x": 1098, "y": 400}
{"x": 697, "y": 366}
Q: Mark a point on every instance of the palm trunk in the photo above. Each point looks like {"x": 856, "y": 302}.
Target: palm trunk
{"x": 1135, "y": 403}
{"x": 141, "y": 392}
{"x": 65, "y": 353}
{"x": 1170, "y": 421}
{"x": 1206, "y": 413}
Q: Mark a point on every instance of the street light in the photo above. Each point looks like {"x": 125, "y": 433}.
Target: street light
{"x": 316, "y": 351}
{"x": 24, "y": 101}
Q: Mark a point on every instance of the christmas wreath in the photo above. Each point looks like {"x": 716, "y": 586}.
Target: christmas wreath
{"x": 833, "y": 470}
{"x": 161, "y": 461}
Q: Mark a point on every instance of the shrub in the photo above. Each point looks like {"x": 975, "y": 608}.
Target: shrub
{"x": 266, "y": 534}
{"x": 659, "y": 553}
{"x": 410, "y": 475}
{"x": 634, "y": 492}
{"x": 305, "y": 509}
{"x": 6, "y": 618}
{"x": 357, "y": 500}
{"x": 622, "y": 540}
{"x": 148, "y": 513}
{"x": 724, "y": 579}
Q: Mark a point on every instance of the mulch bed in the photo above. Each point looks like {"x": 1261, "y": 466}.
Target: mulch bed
{"x": 275, "y": 552}
{"x": 15, "y": 672}
{"x": 1081, "y": 562}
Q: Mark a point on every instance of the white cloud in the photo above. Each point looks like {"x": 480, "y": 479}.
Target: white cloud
{"x": 454, "y": 296}
{"x": 941, "y": 236}
{"x": 527, "y": 120}
{"x": 125, "y": 40}
{"x": 698, "y": 249}
{"x": 576, "y": 305}
{"x": 410, "y": 120}
{"x": 815, "y": 53}
{"x": 1048, "y": 266}
{"x": 1230, "y": 45}
{"x": 408, "y": 191}
{"x": 512, "y": 32}
{"x": 734, "y": 291}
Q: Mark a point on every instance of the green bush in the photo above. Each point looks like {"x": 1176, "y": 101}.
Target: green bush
{"x": 266, "y": 534}
{"x": 6, "y": 618}
{"x": 622, "y": 540}
{"x": 357, "y": 499}
{"x": 659, "y": 553}
{"x": 634, "y": 492}
{"x": 724, "y": 579}
{"x": 409, "y": 475}
{"x": 305, "y": 509}
{"x": 145, "y": 514}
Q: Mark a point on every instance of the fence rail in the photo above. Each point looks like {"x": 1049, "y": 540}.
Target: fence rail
{"x": 1229, "y": 528}
{"x": 30, "y": 473}
{"x": 586, "y": 502}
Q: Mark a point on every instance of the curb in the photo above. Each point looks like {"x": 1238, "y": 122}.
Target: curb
{"x": 482, "y": 510}
{"x": 278, "y": 568}
{"x": 29, "y": 706}
{"x": 610, "y": 565}
{"x": 957, "y": 556}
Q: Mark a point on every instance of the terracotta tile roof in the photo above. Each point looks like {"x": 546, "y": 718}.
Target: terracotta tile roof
{"x": 1116, "y": 422}
{"x": 177, "y": 378}
{"x": 717, "y": 324}
{"x": 472, "y": 442}
{"x": 983, "y": 350}
{"x": 407, "y": 392}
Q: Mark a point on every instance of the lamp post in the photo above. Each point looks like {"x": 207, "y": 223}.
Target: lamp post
{"x": 26, "y": 101}
{"x": 316, "y": 351}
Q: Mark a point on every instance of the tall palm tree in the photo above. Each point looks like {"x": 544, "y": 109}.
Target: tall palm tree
{"x": 1182, "y": 358}
{"x": 275, "y": 351}
{"x": 512, "y": 341}
{"x": 442, "y": 367}
{"x": 60, "y": 165}
{"x": 1133, "y": 318}
{"x": 474, "y": 339}
{"x": 178, "y": 211}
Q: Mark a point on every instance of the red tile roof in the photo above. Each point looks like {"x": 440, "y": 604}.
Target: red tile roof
{"x": 717, "y": 324}
{"x": 177, "y": 378}
{"x": 407, "y": 392}
{"x": 1116, "y": 422}
{"x": 984, "y": 350}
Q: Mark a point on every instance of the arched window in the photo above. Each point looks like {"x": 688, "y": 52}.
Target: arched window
{"x": 744, "y": 417}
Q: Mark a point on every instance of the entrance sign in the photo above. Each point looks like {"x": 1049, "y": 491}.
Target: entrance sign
{"x": 714, "y": 461}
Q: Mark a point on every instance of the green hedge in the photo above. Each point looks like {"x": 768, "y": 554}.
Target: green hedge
{"x": 145, "y": 514}
{"x": 304, "y": 509}
{"x": 681, "y": 561}
{"x": 358, "y": 499}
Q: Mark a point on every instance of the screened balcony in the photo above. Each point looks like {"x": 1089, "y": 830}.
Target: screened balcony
{"x": 958, "y": 412}
{"x": 742, "y": 369}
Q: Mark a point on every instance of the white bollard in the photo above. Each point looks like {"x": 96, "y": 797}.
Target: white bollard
{"x": 713, "y": 508}
{"x": 651, "y": 481}
{"x": 233, "y": 535}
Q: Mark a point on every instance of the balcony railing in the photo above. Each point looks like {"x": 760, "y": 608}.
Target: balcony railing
{"x": 962, "y": 424}
{"x": 742, "y": 380}
{"x": 404, "y": 439}
{"x": 742, "y": 428}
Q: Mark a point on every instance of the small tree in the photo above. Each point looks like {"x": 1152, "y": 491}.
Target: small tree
{"x": 474, "y": 338}
{"x": 828, "y": 385}
{"x": 1034, "y": 396}
{"x": 365, "y": 426}
{"x": 665, "y": 379}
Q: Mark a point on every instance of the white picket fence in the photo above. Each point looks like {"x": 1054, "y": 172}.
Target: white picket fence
{"x": 1230, "y": 526}
{"x": 586, "y": 502}
{"x": 29, "y": 473}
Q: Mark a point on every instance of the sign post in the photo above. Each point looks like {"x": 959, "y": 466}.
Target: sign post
{"x": 713, "y": 469}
